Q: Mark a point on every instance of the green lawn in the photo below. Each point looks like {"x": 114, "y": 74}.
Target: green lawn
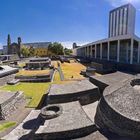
{"x": 6, "y": 125}
{"x": 31, "y": 90}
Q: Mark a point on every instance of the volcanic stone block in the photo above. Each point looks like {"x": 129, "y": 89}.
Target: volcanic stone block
{"x": 119, "y": 109}
{"x": 7, "y": 70}
{"x": 83, "y": 91}
{"x": 72, "y": 123}
{"x": 9, "y": 101}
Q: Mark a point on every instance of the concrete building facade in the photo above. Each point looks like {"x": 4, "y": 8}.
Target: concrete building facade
{"x": 122, "y": 21}
{"x": 122, "y": 46}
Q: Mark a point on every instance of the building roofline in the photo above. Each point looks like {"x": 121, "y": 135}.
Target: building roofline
{"x": 36, "y": 43}
{"x": 128, "y": 4}
{"x": 123, "y": 37}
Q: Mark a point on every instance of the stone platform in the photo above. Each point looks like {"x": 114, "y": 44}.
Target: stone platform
{"x": 83, "y": 91}
{"x": 109, "y": 79}
{"x": 7, "y": 70}
{"x": 119, "y": 108}
{"x": 36, "y": 78}
{"x": 72, "y": 123}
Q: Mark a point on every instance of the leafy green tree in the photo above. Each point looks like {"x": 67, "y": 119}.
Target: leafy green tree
{"x": 19, "y": 45}
{"x": 8, "y": 43}
{"x": 55, "y": 49}
{"x": 24, "y": 51}
{"x": 67, "y": 51}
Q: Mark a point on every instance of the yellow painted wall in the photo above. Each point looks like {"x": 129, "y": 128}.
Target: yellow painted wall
{"x": 41, "y": 51}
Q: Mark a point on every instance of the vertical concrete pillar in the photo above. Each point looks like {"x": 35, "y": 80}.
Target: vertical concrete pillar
{"x": 85, "y": 52}
{"x": 118, "y": 51}
{"x": 91, "y": 55}
{"x": 88, "y": 51}
{"x": 131, "y": 54}
{"x": 108, "y": 51}
{"x": 127, "y": 52}
{"x": 138, "y": 52}
{"x": 95, "y": 51}
{"x": 101, "y": 50}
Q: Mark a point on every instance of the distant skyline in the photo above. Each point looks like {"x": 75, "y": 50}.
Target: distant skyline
{"x": 65, "y": 21}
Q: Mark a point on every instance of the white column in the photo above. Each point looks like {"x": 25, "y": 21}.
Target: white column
{"x": 101, "y": 48}
{"x": 118, "y": 51}
{"x": 138, "y": 52}
{"x": 108, "y": 51}
{"x": 95, "y": 51}
{"x": 131, "y": 54}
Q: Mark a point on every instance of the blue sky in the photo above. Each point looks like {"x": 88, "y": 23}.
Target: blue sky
{"x": 64, "y": 21}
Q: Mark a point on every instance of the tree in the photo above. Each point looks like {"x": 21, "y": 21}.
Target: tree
{"x": 67, "y": 51}
{"x": 55, "y": 49}
{"x": 19, "y": 45}
{"x": 8, "y": 43}
{"x": 24, "y": 51}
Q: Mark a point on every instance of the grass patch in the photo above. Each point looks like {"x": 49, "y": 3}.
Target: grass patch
{"x": 6, "y": 125}
{"x": 72, "y": 70}
{"x": 33, "y": 72}
{"x": 35, "y": 91}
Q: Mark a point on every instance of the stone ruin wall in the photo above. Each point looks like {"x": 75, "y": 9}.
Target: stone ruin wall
{"x": 8, "y": 107}
{"x": 6, "y": 79}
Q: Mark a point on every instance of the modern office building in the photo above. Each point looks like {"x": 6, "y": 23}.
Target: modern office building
{"x": 122, "y": 46}
{"x": 122, "y": 21}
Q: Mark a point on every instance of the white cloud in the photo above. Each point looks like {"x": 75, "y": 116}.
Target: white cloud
{"x": 68, "y": 44}
{"x": 116, "y": 3}
{"x": 1, "y": 46}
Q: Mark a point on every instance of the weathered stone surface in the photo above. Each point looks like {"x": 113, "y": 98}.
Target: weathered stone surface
{"x": 13, "y": 82}
{"x": 38, "y": 63}
{"x": 119, "y": 108}
{"x": 90, "y": 110}
{"x": 9, "y": 102}
{"x": 7, "y": 70}
{"x": 6, "y": 79}
{"x": 71, "y": 123}
{"x": 36, "y": 78}
{"x": 82, "y": 91}
{"x": 109, "y": 79}
{"x": 23, "y": 130}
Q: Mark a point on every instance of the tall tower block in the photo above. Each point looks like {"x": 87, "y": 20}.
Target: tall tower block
{"x": 122, "y": 21}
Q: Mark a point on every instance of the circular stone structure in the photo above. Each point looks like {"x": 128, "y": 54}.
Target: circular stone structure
{"x": 51, "y": 111}
{"x": 119, "y": 109}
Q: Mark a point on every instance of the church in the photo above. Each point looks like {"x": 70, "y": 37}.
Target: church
{"x": 13, "y": 48}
